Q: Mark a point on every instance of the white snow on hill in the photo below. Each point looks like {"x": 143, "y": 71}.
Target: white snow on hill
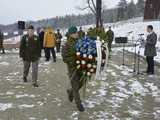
{"x": 132, "y": 29}
{"x": 129, "y": 28}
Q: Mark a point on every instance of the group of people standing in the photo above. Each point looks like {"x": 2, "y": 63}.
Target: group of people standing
{"x": 49, "y": 40}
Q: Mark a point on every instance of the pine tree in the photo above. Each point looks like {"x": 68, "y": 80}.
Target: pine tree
{"x": 140, "y": 7}
{"x": 122, "y": 7}
{"x": 131, "y": 10}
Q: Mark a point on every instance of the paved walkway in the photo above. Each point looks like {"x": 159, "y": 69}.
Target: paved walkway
{"x": 120, "y": 95}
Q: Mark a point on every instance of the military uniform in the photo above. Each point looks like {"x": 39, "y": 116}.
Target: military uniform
{"x": 1, "y": 42}
{"x": 110, "y": 37}
{"x": 58, "y": 41}
{"x": 93, "y": 33}
{"x": 30, "y": 53}
{"x": 81, "y": 34}
{"x": 68, "y": 54}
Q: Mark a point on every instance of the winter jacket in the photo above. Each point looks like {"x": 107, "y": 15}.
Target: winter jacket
{"x": 68, "y": 54}
{"x": 81, "y": 34}
{"x": 150, "y": 46}
{"x": 93, "y": 33}
{"x": 49, "y": 39}
{"x": 110, "y": 35}
{"x": 30, "y": 48}
{"x": 41, "y": 38}
{"x": 58, "y": 37}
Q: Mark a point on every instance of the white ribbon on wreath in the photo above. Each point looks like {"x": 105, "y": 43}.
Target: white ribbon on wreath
{"x": 99, "y": 58}
{"x": 99, "y": 70}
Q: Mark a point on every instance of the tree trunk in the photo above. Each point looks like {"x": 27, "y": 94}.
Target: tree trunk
{"x": 152, "y": 10}
{"x": 99, "y": 22}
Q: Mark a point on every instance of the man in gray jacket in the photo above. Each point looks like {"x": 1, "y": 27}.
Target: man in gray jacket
{"x": 150, "y": 49}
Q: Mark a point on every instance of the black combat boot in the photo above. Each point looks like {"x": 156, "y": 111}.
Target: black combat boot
{"x": 54, "y": 60}
{"x": 70, "y": 95}
{"x": 3, "y": 52}
{"x": 80, "y": 107}
{"x": 25, "y": 79}
{"x": 35, "y": 85}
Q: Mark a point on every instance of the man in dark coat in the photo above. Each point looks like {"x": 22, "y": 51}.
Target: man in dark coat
{"x": 1, "y": 42}
{"x": 150, "y": 49}
{"x": 110, "y": 37}
{"x": 30, "y": 53}
{"x": 68, "y": 54}
{"x": 58, "y": 40}
{"x": 41, "y": 38}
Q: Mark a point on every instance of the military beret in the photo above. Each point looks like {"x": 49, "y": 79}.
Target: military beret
{"x": 72, "y": 30}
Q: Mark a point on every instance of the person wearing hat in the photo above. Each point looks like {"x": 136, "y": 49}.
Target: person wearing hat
{"x": 58, "y": 40}
{"x": 68, "y": 54}
{"x": 110, "y": 37}
{"x": 49, "y": 44}
{"x": 1, "y": 42}
{"x": 30, "y": 53}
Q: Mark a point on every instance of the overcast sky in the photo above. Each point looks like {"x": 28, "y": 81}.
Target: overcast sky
{"x": 14, "y": 10}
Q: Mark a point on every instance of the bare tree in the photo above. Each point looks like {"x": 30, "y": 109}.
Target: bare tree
{"x": 96, "y": 9}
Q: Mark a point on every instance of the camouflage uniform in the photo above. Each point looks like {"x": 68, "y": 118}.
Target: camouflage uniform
{"x": 68, "y": 53}
{"x": 110, "y": 37}
{"x": 58, "y": 41}
{"x": 81, "y": 34}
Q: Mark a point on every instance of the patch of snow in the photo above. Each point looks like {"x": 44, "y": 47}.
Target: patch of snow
{"x": 137, "y": 28}
{"x": 74, "y": 116}
{"x": 5, "y": 106}
{"x": 154, "y": 89}
{"x": 26, "y": 106}
{"x": 32, "y": 118}
{"x": 119, "y": 94}
{"x": 136, "y": 87}
{"x": 101, "y": 92}
{"x": 9, "y": 93}
{"x": 114, "y": 74}
{"x": 4, "y": 63}
{"x": 25, "y": 95}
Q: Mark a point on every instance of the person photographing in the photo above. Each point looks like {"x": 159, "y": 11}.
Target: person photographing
{"x": 150, "y": 49}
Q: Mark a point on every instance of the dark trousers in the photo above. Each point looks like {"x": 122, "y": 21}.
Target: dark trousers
{"x": 58, "y": 47}
{"x": 26, "y": 68}
{"x": 76, "y": 85}
{"x": 150, "y": 62}
{"x": 47, "y": 53}
{"x": 110, "y": 45}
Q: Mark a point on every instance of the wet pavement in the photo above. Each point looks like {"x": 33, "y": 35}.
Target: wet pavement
{"x": 120, "y": 95}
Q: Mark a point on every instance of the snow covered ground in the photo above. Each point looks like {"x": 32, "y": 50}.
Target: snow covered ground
{"x": 132, "y": 31}
{"x": 120, "y": 95}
